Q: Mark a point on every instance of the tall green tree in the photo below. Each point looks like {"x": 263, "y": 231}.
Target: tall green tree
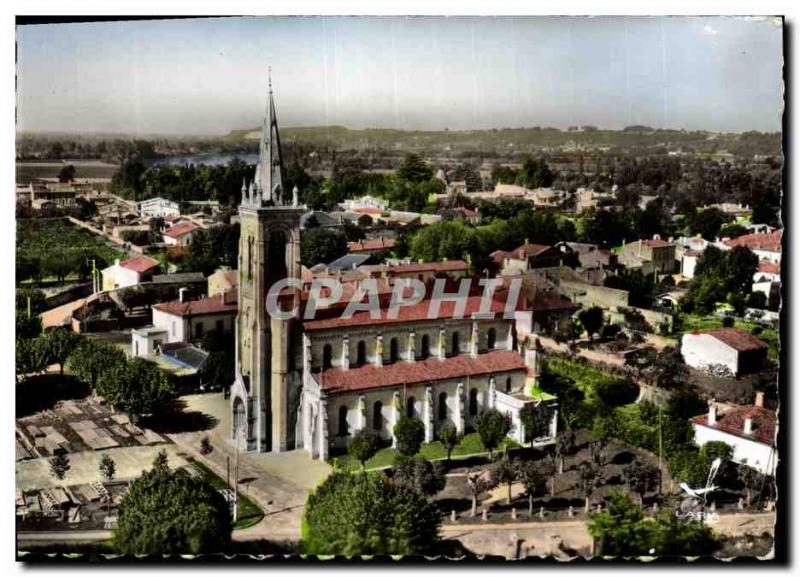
{"x": 493, "y": 427}
{"x": 92, "y": 357}
{"x": 418, "y": 474}
{"x": 321, "y": 245}
{"x": 504, "y": 472}
{"x": 60, "y": 342}
{"x": 592, "y": 320}
{"x": 136, "y": 386}
{"x": 449, "y": 437}
{"x": 410, "y": 433}
{"x": 169, "y": 512}
{"x": 369, "y": 515}
{"x": 414, "y": 169}
{"x": 533, "y": 479}
{"x": 363, "y": 447}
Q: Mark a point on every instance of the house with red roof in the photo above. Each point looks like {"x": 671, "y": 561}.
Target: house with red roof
{"x": 371, "y": 246}
{"x": 527, "y": 257}
{"x": 767, "y": 246}
{"x": 748, "y": 429}
{"x": 181, "y": 234}
{"x": 130, "y": 272}
{"x": 649, "y": 255}
{"x": 187, "y": 321}
{"x": 729, "y": 349}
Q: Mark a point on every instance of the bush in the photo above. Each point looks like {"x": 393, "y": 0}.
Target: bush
{"x": 367, "y": 514}
{"x": 169, "y": 512}
{"x": 616, "y": 392}
{"x": 492, "y": 427}
{"x": 418, "y": 474}
{"x": 410, "y": 433}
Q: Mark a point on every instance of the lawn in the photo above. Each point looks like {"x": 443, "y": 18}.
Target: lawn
{"x": 469, "y": 446}
{"x": 586, "y": 378}
{"x": 704, "y": 323}
{"x": 249, "y": 513}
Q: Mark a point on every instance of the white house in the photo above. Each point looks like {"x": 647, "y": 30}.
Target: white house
{"x": 129, "y": 273}
{"x": 158, "y": 207}
{"x": 689, "y": 262}
{"x": 189, "y": 320}
{"x": 767, "y": 247}
{"x": 732, "y": 348}
{"x": 749, "y": 430}
{"x": 767, "y": 272}
{"x": 181, "y": 234}
{"x": 145, "y": 341}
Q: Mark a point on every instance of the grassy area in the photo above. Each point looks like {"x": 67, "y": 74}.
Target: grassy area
{"x": 469, "y": 446}
{"x": 586, "y": 378}
{"x": 249, "y": 513}
{"x": 704, "y": 323}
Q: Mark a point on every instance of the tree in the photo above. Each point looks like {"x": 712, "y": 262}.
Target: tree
{"x": 592, "y": 320}
{"x": 751, "y": 478}
{"x": 619, "y": 530}
{"x": 59, "y": 465}
{"x": 615, "y": 392}
{"x": 410, "y": 433}
{"x": 535, "y": 420}
{"x": 640, "y": 476}
{"x": 136, "y": 386}
{"x": 369, "y": 515}
{"x": 161, "y": 461}
{"x": 707, "y": 222}
{"x": 565, "y": 445}
{"x": 363, "y": 447}
{"x": 321, "y": 245}
{"x": 478, "y": 482}
{"x": 493, "y": 427}
{"x": 591, "y": 472}
{"x": 108, "y": 468}
{"x": 418, "y": 474}
{"x": 60, "y": 343}
{"x": 533, "y": 479}
{"x": 91, "y": 358}
{"x": 206, "y": 448}
{"x": 169, "y": 512}
{"x": 31, "y": 356}
{"x": 66, "y": 173}
{"x": 414, "y": 169}
{"x": 504, "y": 472}
{"x": 450, "y": 438}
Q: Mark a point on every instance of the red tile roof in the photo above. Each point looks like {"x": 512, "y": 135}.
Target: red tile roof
{"x": 368, "y": 210}
{"x": 770, "y": 241}
{"x": 443, "y": 266}
{"x": 370, "y": 245}
{"x": 735, "y": 338}
{"x": 181, "y": 228}
{"x": 404, "y": 373}
{"x": 218, "y": 304}
{"x": 764, "y": 423}
{"x": 415, "y": 313}
{"x": 140, "y": 263}
{"x": 656, "y": 243}
{"x": 769, "y": 267}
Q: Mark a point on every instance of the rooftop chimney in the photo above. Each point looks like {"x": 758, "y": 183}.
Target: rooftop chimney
{"x": 182, "y": 294}
{"x": 712, "y": 413}
{"x": 759, "y": 402}
{"x": 748, "y": 425}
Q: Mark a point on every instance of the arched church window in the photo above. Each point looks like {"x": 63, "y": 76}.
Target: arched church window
{"x": 410, "y": 407}
{"x": 394, "y": 352}
{"x": 456, "y": 343}
{"x": 343, "y": 429}
{"x": 377, "y": 416}
{"x": 491, "y": 338}
{"x": 425, "y": 347}
{"x": 442, "y": 412}
{"x": 327, "y": 357}
{"x": 361, "y": 354}
{"x": 473, "y": 402}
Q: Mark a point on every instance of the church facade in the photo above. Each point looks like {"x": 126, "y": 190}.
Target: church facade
{"x": 312, "y": 384}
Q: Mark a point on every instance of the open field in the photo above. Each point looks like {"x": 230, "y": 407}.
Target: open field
{"x": 93, "y": 169}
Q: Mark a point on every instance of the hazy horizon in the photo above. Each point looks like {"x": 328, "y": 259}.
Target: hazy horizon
{"x": 207, "y": 77}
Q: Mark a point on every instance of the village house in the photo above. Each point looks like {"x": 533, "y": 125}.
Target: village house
{"x": 527, "y": 257}
{"x": 748, "y": 430}
{"x": 129, "y": 273}
{"x": 188, "y": 321}
{"x": 158, "y": 208}
{"x": 649, "y": 256}
{"x": 181, "y": 234}
{"x": 423, "y": 271}
{"x": 371, "y": 246}
{"x": 735, "y": 349}
{"x": 221, "y": 281}
{"x": 767, "y": 247}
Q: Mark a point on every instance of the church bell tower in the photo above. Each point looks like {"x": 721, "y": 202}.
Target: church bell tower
{"x": 266, "y": 384}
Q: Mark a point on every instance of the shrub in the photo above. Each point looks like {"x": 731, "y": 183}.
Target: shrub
{"x": 410, "y": 433}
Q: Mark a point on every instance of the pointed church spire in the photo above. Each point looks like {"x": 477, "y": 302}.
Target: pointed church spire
{"x": 269, "y": 171}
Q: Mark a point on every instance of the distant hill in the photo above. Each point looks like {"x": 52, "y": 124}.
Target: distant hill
{"x": 521, "y": 140}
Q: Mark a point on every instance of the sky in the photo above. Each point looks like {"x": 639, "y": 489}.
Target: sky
{"x": 209, "y": 76}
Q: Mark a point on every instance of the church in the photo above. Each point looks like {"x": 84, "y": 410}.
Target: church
{"x": 311, "y": 384}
